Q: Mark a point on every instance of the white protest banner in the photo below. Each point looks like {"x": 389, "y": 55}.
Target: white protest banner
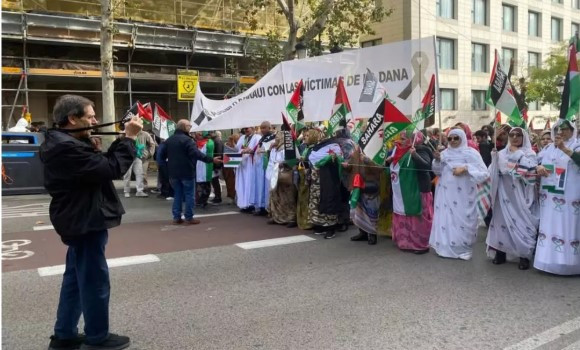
{"x": 402, "y": 69}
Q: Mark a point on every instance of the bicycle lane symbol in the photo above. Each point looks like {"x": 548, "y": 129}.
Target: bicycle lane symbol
{"x": 11, "y": 251}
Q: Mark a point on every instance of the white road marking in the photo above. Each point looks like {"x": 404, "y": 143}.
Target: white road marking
{"x": 216, "y": 214}
{"x": 548, "y": 336}
{"x": 11, "y": 249}
{"x": 43, "y": 227}
{"x": 575, "y": 346}
{"x": 25, "y": 211}
{"x": 125, "y": 261}
{"x": 275, "y": 241}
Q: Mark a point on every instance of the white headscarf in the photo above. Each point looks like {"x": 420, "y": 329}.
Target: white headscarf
{"x": 463, "y": 155}
{"x": 572, "y": 139}
{"x": 525, "y": 155}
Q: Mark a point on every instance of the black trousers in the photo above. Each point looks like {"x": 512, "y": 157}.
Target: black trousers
{"x": 217, "y": 188}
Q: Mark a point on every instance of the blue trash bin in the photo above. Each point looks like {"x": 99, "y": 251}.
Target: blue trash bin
{"x": 22, "y": 170}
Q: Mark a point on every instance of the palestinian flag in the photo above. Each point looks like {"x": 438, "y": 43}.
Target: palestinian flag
{"x": 294, "y": 107}
{"x": 428, "y": 109}
{"x": 232, "y": 160}
{"x": 571, "y": 94}
{"x": 501, "y": 96}
{"x": 341, "y": 112}
{"x": 163, "y": 126}
{"x": 395, "y": 121}
{"x": 575, "y": 40}
{"x": 371, "y": 142}
{"x": 204, "y": 171}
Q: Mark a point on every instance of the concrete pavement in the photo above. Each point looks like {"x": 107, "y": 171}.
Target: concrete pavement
{"x": 319, "y": 294}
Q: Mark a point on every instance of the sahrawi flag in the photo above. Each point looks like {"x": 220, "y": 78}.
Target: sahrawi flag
{"x": 341, "y": 112}
{"x": 163, "y": 126}
{"x": 294, "y": 107}
{"x": 501, "y": 96}
{"x": 372, "y": 142}
{"x": 571, "y": 94}
{"x": 232, "y": 160}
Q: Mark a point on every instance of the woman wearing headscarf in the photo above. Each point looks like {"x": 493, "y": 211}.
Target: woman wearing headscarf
{"x": 326, "y": 190}
{"x": 545, "y": 140}
{"x": 558, "y": 249}
{"x": 410, "y": 169}
{"x": 282, "y": 199}
{"x": 311, "y": 138}
{"x": 365, "y": 178}
{"x": 513, "y": 228}
{"x": 460, "y": 169}
{"x": 470, "y": 142}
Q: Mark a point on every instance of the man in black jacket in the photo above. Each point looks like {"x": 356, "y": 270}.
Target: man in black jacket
{"x": 84, "y": 206}
{"x": 182, "y": 155}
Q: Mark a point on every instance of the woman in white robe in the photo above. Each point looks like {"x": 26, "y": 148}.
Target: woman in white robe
{"x": 558, "y": 249}
{"x": 460, "y": 170}
{"x": 514, "y": 225}
{"x": 245, "y": 181}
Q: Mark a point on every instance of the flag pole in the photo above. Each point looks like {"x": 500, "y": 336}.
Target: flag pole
{"x": 438, "y": 94}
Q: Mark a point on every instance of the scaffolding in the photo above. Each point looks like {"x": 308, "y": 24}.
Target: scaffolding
{"x": 222, "y": 15}
{"x": 30, "y": 28}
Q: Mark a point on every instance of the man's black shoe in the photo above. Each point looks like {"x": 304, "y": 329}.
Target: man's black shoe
{"x": 372, "y": 239}
{"x": 113, "y": 342}
{"x": 66, "y": 344}
{"x": 216, "y": 201}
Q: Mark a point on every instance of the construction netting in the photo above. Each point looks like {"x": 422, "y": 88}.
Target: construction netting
{"x": 209, "y": 14}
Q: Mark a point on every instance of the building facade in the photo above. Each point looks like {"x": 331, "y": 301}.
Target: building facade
{"x": 467, "y": 33}
{"x": 52, "y": 47}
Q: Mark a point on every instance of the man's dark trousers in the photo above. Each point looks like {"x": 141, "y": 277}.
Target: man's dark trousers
{"x": 85, "y": 289}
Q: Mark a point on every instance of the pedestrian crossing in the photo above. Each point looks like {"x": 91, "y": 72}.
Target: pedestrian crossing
{"x": 25, "y": 211}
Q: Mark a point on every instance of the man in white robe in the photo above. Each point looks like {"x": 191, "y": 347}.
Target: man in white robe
{"x": 245, "y": 182}
{"x": 261, "y": 189}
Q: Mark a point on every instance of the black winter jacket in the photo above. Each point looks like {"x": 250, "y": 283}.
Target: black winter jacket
{"x": 182, "y": 155}
{"x": 79, "y": 180}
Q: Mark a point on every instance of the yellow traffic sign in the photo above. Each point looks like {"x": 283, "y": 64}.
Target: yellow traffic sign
{"x": 186, "y": 84}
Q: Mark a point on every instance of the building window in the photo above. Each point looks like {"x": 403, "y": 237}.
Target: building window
{"x": 446, "y": 53}
{"x": 447, "y": 99}
{"x": 534, "y": 59}
{"x": 556, "y": 29}
{"x": 479, "y": 12}
{"x": 533, "y": 106}
{"x": 576, "y": 4}
{"x": 478, "y": 100}
{"x": 509, "y": 18}
{"x": 575, "y": 28}
{"x": 370, "y": 43}
{"x": 446, "y": 9}
{"x": 557, "y": 1}
{"x": 506, "y": 58}
{"x": 479, "y": 58}
{"x": 534, "y": 24}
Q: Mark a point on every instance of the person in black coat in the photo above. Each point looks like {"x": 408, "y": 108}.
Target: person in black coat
{"x": 84, "y": 206}
{"x": 182, "y": 155}
{"x": 485, "y": 146}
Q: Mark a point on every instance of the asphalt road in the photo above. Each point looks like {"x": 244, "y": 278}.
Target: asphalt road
{"x": 206, "y": 292}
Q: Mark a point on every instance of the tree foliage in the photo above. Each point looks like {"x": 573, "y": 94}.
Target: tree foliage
{"x": 542, "y": 84}
{"x": 341, "y": 22}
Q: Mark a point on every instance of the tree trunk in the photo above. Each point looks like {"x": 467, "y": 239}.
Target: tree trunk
{"x": 108, "y": 83}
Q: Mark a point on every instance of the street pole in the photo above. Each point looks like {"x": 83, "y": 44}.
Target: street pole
{"x": 107, "y": 77}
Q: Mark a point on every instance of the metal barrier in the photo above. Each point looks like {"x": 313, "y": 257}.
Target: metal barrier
{"x": 22, "y": 170}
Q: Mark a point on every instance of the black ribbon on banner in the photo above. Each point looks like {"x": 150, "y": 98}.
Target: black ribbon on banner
{"x": 419, "y": 62}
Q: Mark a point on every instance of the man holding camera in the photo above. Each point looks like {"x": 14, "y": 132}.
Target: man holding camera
{"x": 84, "y": 206}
